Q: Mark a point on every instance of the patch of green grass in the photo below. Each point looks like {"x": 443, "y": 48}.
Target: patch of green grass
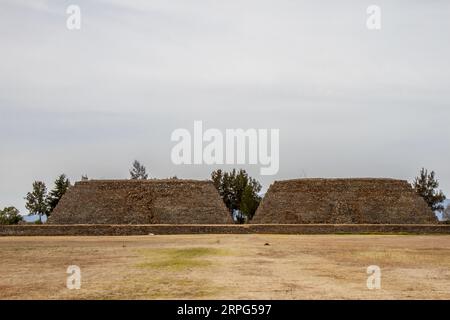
{"x": 174, "y": 264}
{"x": 177, "y": 259}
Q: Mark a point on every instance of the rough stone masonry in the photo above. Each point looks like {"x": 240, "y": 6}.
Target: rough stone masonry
{"x": 342, "y": 201}
{"x": 171, "y": 201}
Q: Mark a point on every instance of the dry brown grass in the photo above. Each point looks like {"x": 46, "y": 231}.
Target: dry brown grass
{"x": 226, "y": 267}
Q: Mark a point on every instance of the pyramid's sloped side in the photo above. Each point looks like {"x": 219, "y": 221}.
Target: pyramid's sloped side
{"x": 141, "y": 202}
{"x": 342, "y": 201}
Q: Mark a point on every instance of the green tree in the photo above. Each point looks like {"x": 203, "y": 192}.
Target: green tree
{"x": 238, "y": 191}
{"x": 250, "y": 201}
{"x": 10, "y": 215}
{"x": 61, "y": 186}
{"x": 426, "y": 185}
{"x": 138, "y": 171}
{"x": 36, "y": 200}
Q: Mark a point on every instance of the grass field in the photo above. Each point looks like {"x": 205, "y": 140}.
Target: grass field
{"x": 226, "y": 267}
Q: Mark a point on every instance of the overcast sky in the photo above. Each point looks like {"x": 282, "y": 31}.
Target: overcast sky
{"x": 349, "y": 102}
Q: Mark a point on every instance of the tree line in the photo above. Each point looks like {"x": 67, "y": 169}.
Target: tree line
{"x": 239, "y": 192}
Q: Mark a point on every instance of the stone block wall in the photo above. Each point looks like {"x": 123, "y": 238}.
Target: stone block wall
{"x": 154, "y": 229}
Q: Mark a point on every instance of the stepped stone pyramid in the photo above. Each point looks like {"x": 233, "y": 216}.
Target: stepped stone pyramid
{"x": 171, "y": 201}
{"x": 343, "y": 201}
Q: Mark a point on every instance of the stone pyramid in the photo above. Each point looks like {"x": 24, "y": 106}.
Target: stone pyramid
{"x": 171, "y": 201}
{"x": 342, "y": 201}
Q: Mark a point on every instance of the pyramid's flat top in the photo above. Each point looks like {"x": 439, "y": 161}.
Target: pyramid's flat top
{"x": 363, "y": 179}
{"x": 135, "y": 181}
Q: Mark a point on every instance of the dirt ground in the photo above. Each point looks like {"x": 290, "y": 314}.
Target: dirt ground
{"x": 226, "y": 267}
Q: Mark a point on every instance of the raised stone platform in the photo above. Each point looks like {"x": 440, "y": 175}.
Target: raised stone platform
{"x": 170, "y": 201}
{"x": 343, "y": 201}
